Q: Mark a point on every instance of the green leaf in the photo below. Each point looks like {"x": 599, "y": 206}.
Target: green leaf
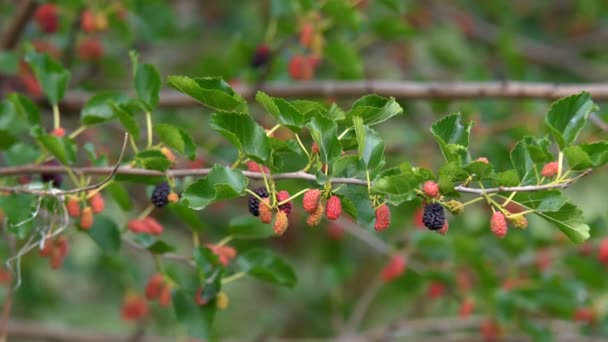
{"x": 152, "y": 160}
{"x": 120, "y": 195}
{"x": 448, "y": 175}
{"x": 480, "y": 169}
{"x": 345, "y": 59}
{"x": 282, "y": 110}
{"x": 324, "y": 133}
{"x": 18, "y": 209}
{"x": 567, "y": 117}
{"x": 6, "y": 139}
{"x": 198, "y": 319}
{"x": 400, "y": 187}
{"x": 373, "y": 149}
{"x": 106, "y": 234}
{"x": 210, "y": 91}
{"x": 247, "y": 227}
{"x": 222, "y": 183}
{"x": 62, "y": 148}
{"x": 507, "y": 178}
{"x": 526, "y": 154}
{"x": 191, "y": 217}
{"x": 374, "y": 109}
{"x": 176, "y": 138}
{"x": 21, "y": 154}
{"x": 245, "y": 134}
{"x": 577, "y": 158}
{"x": 127, "y": 119}
{"x": 26, "y": 108}
{"x": 343, "y": 13}
{"x": 287, "y": 156}
{"x": 267, "y": 266}
{"x": 597, "y": 152}
{"x": 153, "y": 244}
{"x": 453, "y": 138}
{"x": 557, "y": 210}
{"x": 99, "y": 108}
{"x": 53, "y": 77}
{"x": 147, "y": 84}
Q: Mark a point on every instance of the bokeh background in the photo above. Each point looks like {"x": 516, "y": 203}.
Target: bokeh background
{"x": 542, "y": 41}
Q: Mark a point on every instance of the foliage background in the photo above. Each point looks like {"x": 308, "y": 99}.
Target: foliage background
{"x": 386, "y": 40}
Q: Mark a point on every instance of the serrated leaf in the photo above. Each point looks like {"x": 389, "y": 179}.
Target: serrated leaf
{"x": 374, "y": 109}
{"x": 480, "y": 169}
{"x": 53, "y": 77}
{"x": 147, "y": 84}
{"x": 120, "y": 195}
{"x": 597, "y": 152}
{"x": 288, "y": 115}
{"x": 26, "y": 108}
{"x": 247, "y": 227}
{"x": 245, "y": 134}
{"x": 170, "y": 135}
{"x": 98, "y": 109}
{"x": 557, "y": 210}
{"x": 210, "y": 91}
{"x": 267, "y": 266}
{"x": 127, "y": 119}
{"x": 198, "y": 319}
{"x": 222, "y": 183}
{"x": 373, "y": 149}
{"x": 324, "y": 133}
{"x": 106, "y": 234}
{"x": 567, "y": 117}
{"x": 507, "y": 178}
{"x": 61, "y": 148}
{"x": 152, "y": 160}
{"x": 188, "y": 215}
{"x": 523, "y": 160}
{"x": 345, "y": 59}
{"x": 453, "y": 138}
{"x": 577, "y": 158}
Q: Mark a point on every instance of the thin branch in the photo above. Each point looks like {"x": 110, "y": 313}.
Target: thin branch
{"x": 15, "y": 27}
{"x": 179, "y": 173}
{"x": 56, "y": 192}
{"x": 169, "y": 256}
{"x": 363, "y": 304}
{"x": 74, "y": 100}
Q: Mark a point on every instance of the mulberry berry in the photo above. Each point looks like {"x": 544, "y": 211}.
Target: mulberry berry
{"x": 519, "y": 221}
{"x": 221, "y": 301}
{"x": 286, "y": 207}
{"x": 153, "y": 227}
{"x": 334, "y": 208}
{"x": 47, "y": 17}
{"x": 265, "y": 211}
{"x": 254, "y": 203}
{"x": 164, "y": 298}
{"x": 444, "y": 229}
{"x": 434, "y": 216}
{"x": 73, "y": 207}
{"x": 394, "y": 268}
{"x": 280, "y": 223}
{"x": 550, "y": 169}
{"x": 134, "y": 308}
{"x": 431, "y": 189}
{"x": 603, "y": 252}
{"x": 154, "y": 286}
{"x": 58, "y": 132}
{"x": 383, "y": 218}
{"x": 255, "y": 167}
{"x": 498, "y": 224}
{"x": 86, "y": 218}
{"x": 261, "y": 57}
{"x": 483, "y": 160}
{"x": 455, "y": 207}
{"x": 96, "y": 202}
{"x": 315, "y": 218}
{"x": 311, "y": 200}
{"x": 55, "y": 178}
{"x": 173, "y": 197}
{"x": 466, "y": 308}
{"x": 160, "y": 195}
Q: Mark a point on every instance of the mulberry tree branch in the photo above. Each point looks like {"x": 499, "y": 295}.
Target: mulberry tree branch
{"x": 179, "y": 173}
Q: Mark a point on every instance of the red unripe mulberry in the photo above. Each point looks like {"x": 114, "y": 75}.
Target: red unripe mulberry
{"x": 394, "y": 268}
{"x": 153, "y": 226}
{"x": 283, "y": 195}
{"x": 584, "y": 315}
{"x": 307, "y": 34}
{"x": 224, "y": 253}
{"x": 164, "y": 299}
{"x": 311, "y": 200}
{"x": 334, "y": 208}
{"x": 86, "y": 218}
{"x": 58, "y": 132}
{"x": 603, "y": 252}
{"x": 435, "y": 290}
{"x": 383, "y": 218}
{"x": 498, "y": 224}
{"x": 280, "y": 223}
{"x": 87, "y": 21}
{"x": 431, "y": 189}
{"x": 90, "y": 49}
{"x": 300, "y": 68}
{"x": 73, "y": 207}
{"x": 315, "y": 218}
{"x": 134, "y": 308}
{"x": 47, "y": 18}
{"x": 466, "y": 308}
{"x": 550, "y": 169}
{"x": 96, "y": 202}
{"x": 154, "y": 286}
{"x": 255, "y": 167}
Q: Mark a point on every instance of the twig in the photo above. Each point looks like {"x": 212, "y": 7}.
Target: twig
{"x": 363, "y": 305}
{"x": 169, "y": 256}
{"x": 178, "y": 173}
{"x": 15, "y": 27}
{"x": 56, "y": 192}
{"x": 74, "y": 101}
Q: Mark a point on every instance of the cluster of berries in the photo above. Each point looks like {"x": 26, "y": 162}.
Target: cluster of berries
{"x": 159, "y": 287}
{"x": 56, "y": 249}
{"x": 146, "y": 225}
{"x": 314, "y": 207}
{"x": 221, "y": 299}
{"x": 85, "y": 210}
{"x": 264, "y": 209}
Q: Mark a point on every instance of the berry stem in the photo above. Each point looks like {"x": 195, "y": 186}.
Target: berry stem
{"x": 254, "y": 195}
{"x": 149, "y": 128}
{"x": 133, "y": 145}
{"x": 302, "y": 146}
{"x": 509, "y": 198}
{"x": 225, "y": 240}
{"x": 146, "y": 212}
{"x": 195, "y": 239}
{"x": 474, "y": 200}
{"x": 78, "y": 131}
{"x": 272, "y": 130}
{"x": 158, "y": 262}
{"x": 96, "y": 191}
{"x": 238, "y": 161}
{"x": 369, "y": 184}
{"x": 293, "y": 197}
{"x": 232, "y": 278}
{"x": 56, "y": 117}
{"x": 343, "y": 134}
{"x": 560, "y": 160}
